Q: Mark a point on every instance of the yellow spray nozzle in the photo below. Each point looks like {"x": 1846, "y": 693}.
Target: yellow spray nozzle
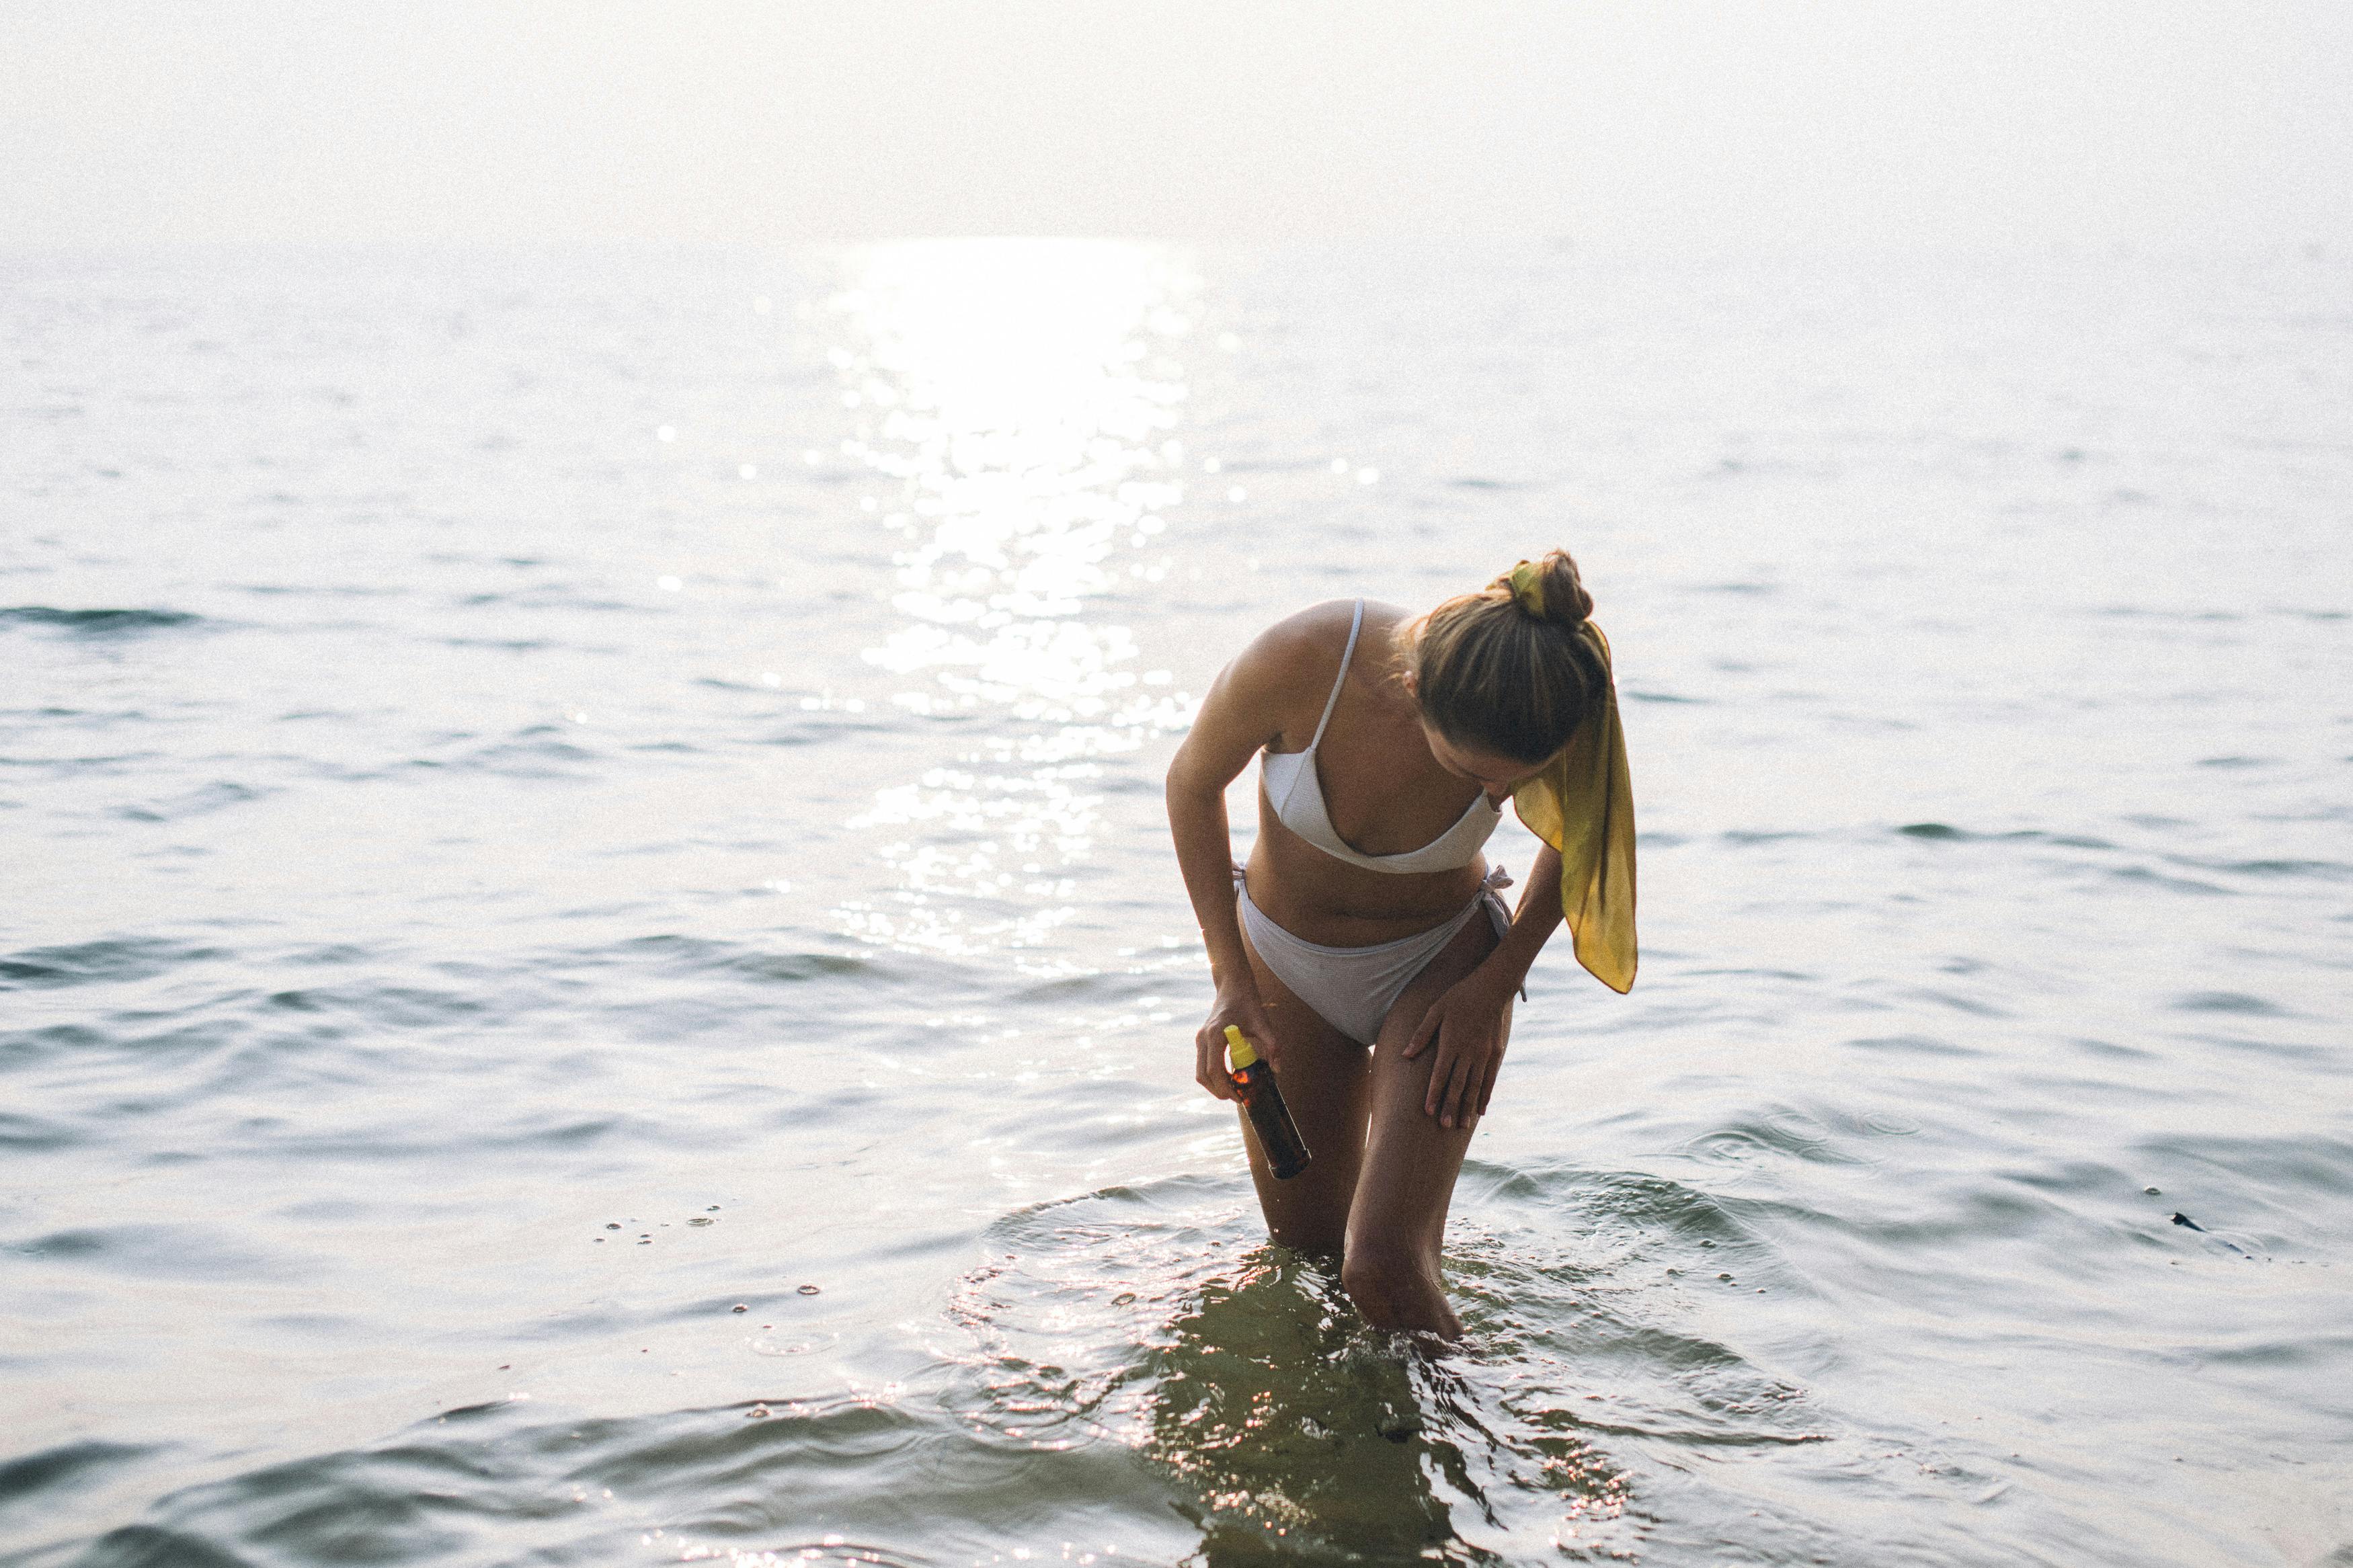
{"x": 1238, "y": 1044}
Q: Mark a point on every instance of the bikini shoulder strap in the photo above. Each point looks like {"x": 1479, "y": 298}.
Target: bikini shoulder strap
{"x": 1355, "y": 626}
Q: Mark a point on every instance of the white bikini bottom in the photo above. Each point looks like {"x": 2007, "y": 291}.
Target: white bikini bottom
{"x": 1353, "y": 988}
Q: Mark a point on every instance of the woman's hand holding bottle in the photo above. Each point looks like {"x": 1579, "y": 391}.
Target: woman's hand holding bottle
{"x": 1241, "y": 1009}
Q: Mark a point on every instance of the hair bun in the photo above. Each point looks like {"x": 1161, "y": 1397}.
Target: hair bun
{"x": 1549, "y": 589}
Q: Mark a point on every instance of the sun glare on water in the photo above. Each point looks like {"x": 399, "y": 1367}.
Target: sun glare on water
{"x": 1018, "y": 398}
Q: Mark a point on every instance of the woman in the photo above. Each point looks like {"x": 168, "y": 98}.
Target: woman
{"x": 1352, "y": 950}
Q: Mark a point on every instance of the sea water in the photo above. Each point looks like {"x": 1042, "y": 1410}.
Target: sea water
{"x": 591, "y": 971}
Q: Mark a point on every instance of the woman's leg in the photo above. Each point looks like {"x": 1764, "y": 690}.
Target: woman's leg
{"x": 1324, "y": 1082}
{"x": 1398, "y": 1220}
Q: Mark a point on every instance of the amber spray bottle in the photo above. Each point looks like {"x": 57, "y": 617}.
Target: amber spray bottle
{"x": 1278, "y": 1135}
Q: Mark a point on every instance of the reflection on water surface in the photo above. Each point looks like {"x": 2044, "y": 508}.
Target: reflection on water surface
{"x": 396, "y": 781}
{"x": 1017, "y": 398}
{"x": 1158, "y": 1322}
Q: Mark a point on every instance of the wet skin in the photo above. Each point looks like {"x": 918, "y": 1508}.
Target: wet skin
{"x": 1389, "y": 1125}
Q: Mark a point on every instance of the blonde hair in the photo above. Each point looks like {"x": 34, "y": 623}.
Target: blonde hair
{"x": 1507, "y": 670}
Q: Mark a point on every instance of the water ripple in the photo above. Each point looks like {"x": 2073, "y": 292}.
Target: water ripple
{"x": 94, "y": 625}
{"x": 105, "y": 960}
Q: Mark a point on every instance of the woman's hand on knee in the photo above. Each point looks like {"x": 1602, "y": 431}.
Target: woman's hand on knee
{"x": 1245, "y": 1012}
{"x": 1466, "y": 1026}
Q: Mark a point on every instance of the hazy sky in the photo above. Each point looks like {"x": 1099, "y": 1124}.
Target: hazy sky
{"x": 1772, "y": 123}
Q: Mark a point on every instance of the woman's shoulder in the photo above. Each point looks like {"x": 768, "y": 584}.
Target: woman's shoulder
{"x": 1295, "y": 662}
{"x": 1302, "y": 631}
{"x": 1318, "y": 633}
{"x": 1280, "y": 682}
{"x": 1299, "y": 652}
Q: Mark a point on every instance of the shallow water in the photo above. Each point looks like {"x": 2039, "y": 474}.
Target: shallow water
{"x": 590, "y": 971}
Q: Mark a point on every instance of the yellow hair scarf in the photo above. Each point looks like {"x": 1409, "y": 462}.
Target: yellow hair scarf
{"x": 1583, "y": 806}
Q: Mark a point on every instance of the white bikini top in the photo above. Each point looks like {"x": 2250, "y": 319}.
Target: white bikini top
{"x": 1303, "y": 812}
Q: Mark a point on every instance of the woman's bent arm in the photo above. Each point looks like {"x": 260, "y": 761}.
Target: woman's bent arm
{"x": 1466, "y": 1023}
{"x": 1538, "y": 916}
{"x": 1238, "y": 716}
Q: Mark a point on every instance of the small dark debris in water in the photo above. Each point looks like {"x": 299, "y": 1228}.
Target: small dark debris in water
{"x": 808, "y": 1290}
{"x": 612, "y": 1227}
{"x": 1723, "y": 1277}
{"x": 699, "y": 1220}
{"x": 1122, "y": 1299}
{"x": 739, "y": 1307}
{"x": 1707, "y": 1244}
{"x": 1398, "y": 1428}
{"x": 506, "y": 1366}
{"x": 712, "y": 1209}
{"x": 2150, "y": 1191}
{"x": 595, "y": 1238}
{"x": 758, "y": 1413}
{"x": 2182, "y": 1219}
{"x": 645, "y": 1241}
